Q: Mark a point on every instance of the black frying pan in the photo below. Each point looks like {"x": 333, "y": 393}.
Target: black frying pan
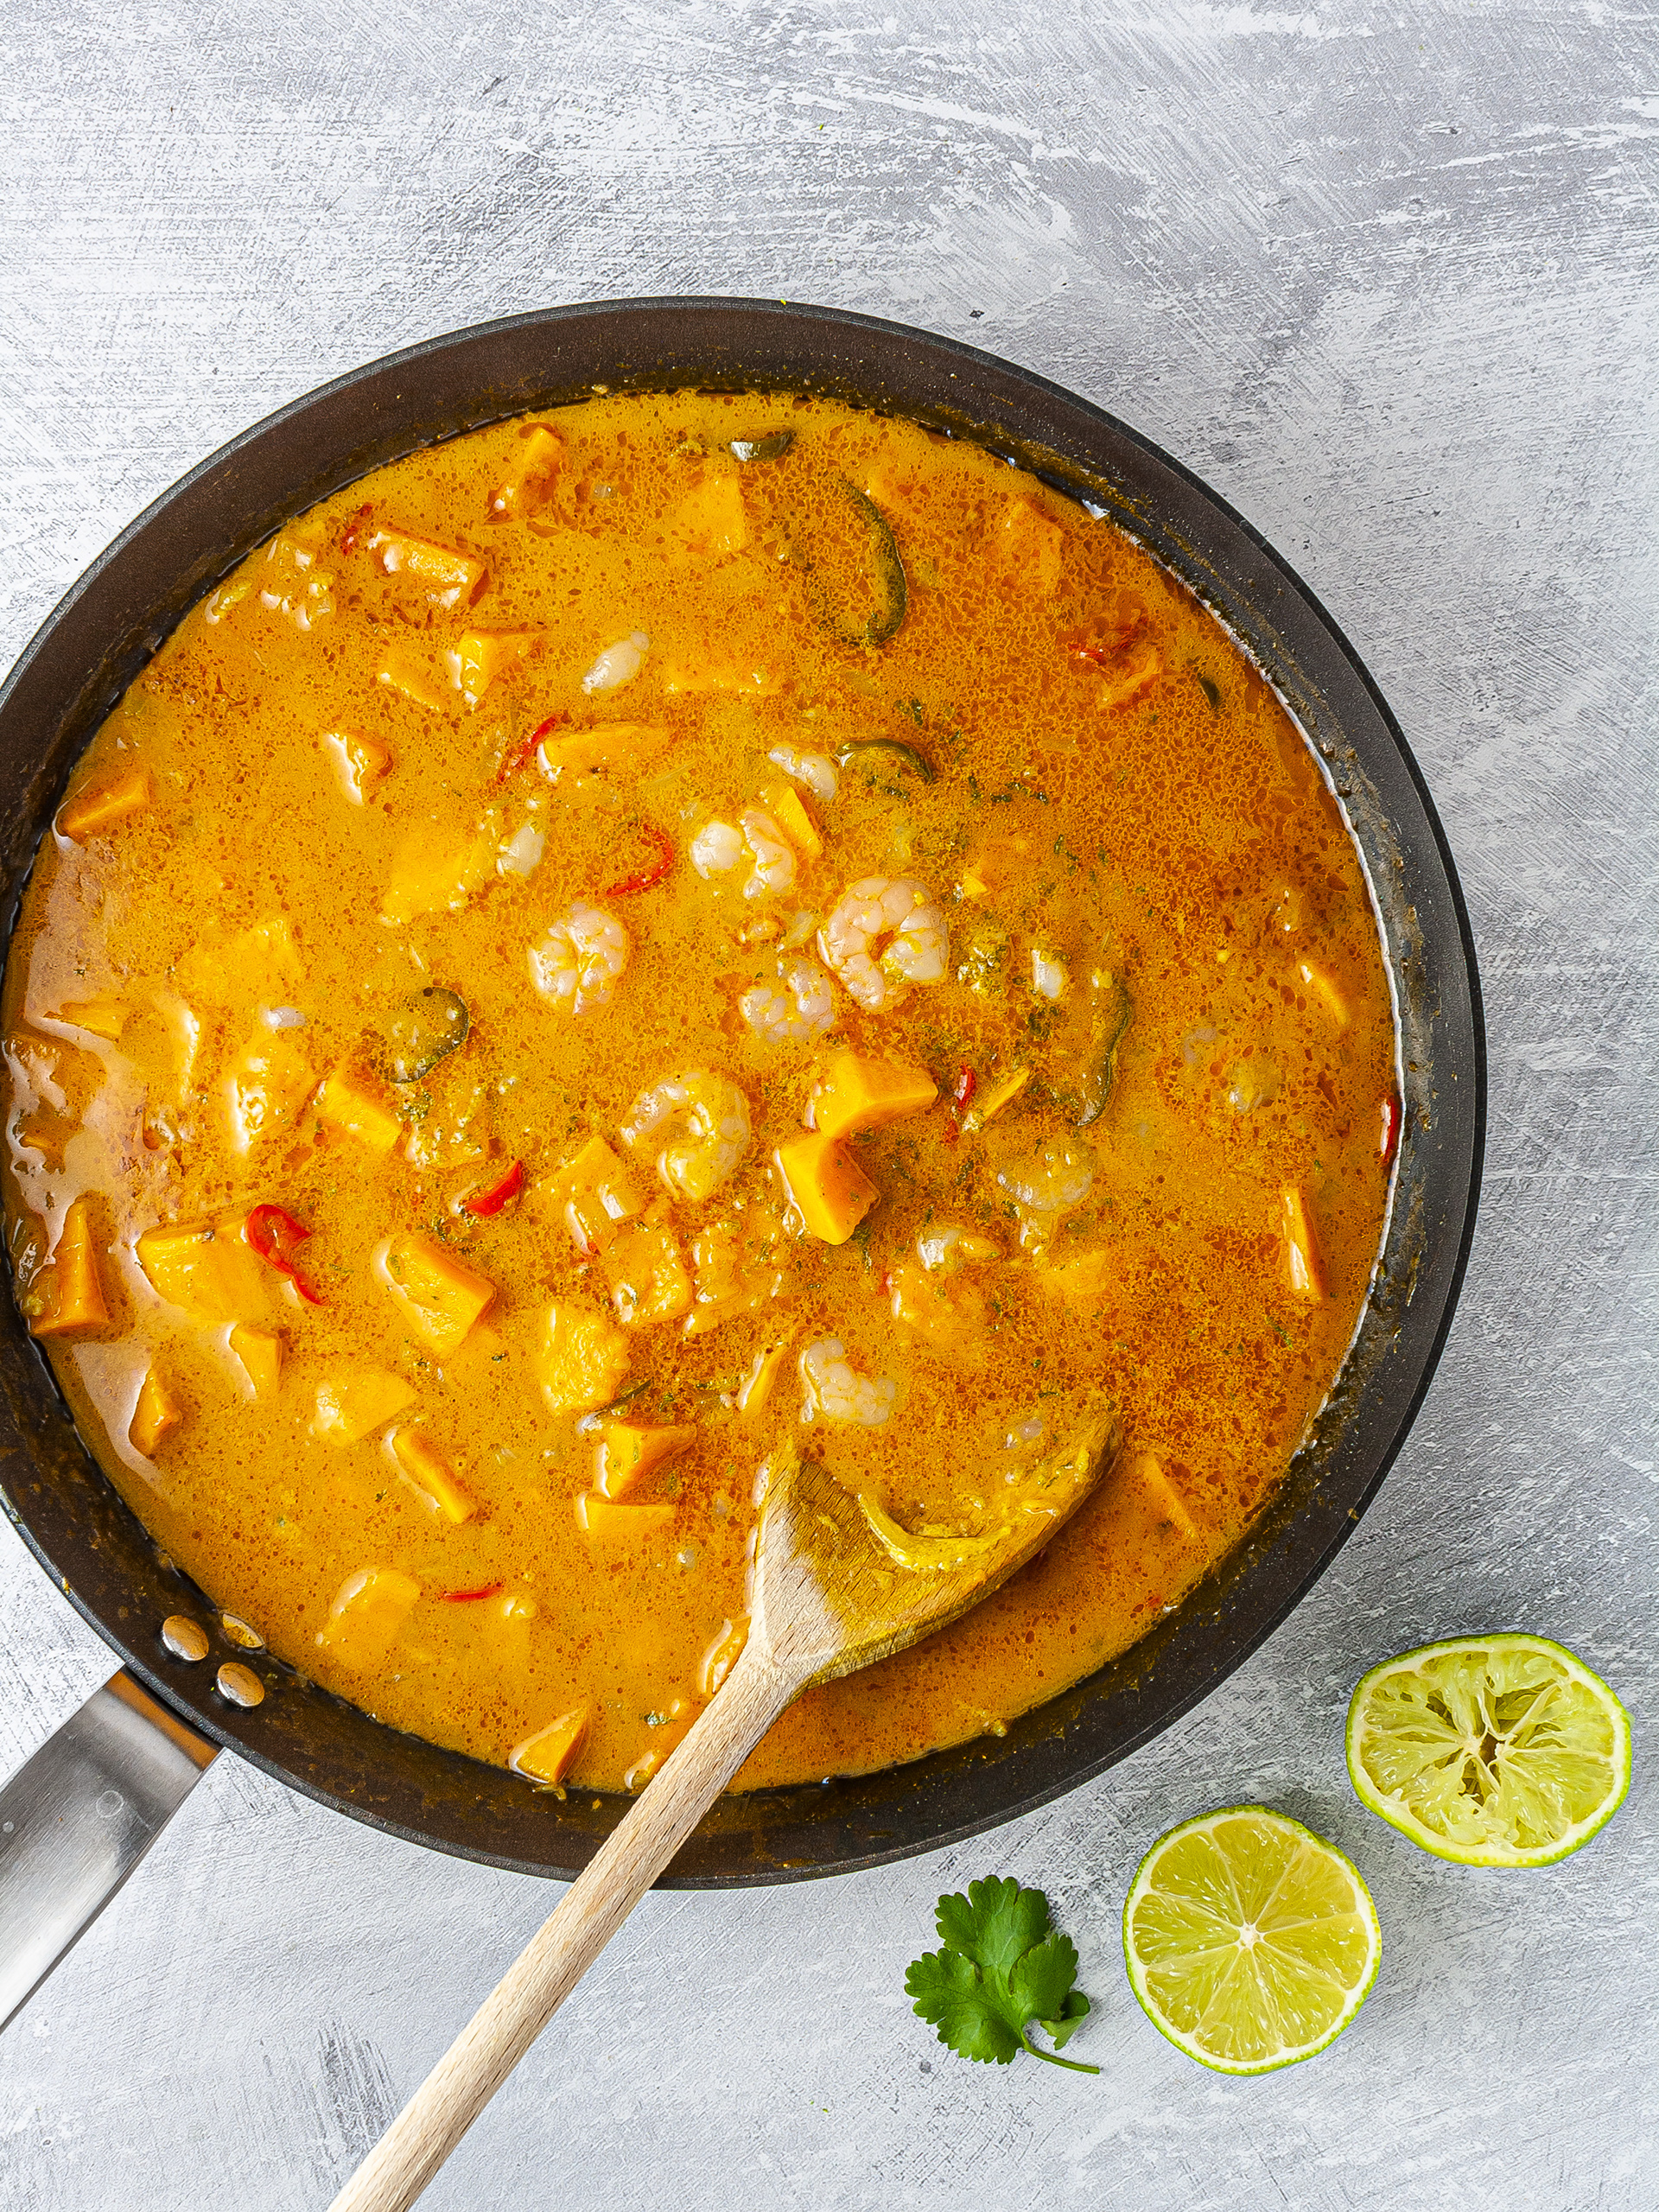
{"x": 121, "y": 610}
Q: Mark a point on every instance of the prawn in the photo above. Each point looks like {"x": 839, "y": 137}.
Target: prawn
{"x": 1047, "y": 1184}
{"x": 717, "y": 848}
{"x": 581, "y": 959}
{"x": 705, "y": 1119}
{"x": 798, "y": 1006}
{"x": 886, "y": 933}
{"x": 816, "y": 770}
{"x": 834, "y": 1391}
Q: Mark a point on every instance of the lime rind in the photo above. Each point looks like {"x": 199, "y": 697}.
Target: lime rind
{"x": 1310, "y": 1968}
{"x": 1418, "y": 1729}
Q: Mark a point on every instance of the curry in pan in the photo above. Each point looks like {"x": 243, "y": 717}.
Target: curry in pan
{"x": 648, "y": 928}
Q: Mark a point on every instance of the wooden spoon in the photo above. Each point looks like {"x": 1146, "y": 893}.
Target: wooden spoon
{"x": 835, "y": 1584}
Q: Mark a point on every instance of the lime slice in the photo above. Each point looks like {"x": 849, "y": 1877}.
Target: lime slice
{"x": 1249, "y": 1940}
{"x": 1494, "y": 1751}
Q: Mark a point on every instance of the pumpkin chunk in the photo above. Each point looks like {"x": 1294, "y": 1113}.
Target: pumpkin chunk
{"x": 830, "y": 1191}
{"x": 606, "y": 1518}
{"x": 440, "y": 1296}
{"x": 207, "y": 1267}
{"x": 370, "y": 1608}
{"x": 352, "y": 1103}
{"x": 856, "y": 1093}
{"x": 360, "y": 761}
{"x": 483, "y": 655}
{"x": 436, "y": 573}
{"x": 626, "y": 1454}
{"x": 582, "y": 1359}
{"x": 69, "y": 1286}
{"x": 157, "y": 1412}
{"x": 531, "y": 471}
{"x": 426, "y": 1470}
{"x": 352, "y": 1406}
{"x": 1304, "y": 1263}
{"x": 260, "y": 1352}
{"x": 101, "y": 804}
{"x": 543, "y": 1757}
{"x": 592, "y": 1193}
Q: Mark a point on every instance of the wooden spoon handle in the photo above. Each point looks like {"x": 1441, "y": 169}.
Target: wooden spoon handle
{"x": 560, "y": 1953}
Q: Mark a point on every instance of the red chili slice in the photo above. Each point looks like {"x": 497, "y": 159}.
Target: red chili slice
{"x": 962, "y": 1092}
{"x": 470, "y": 1597}
{"x": 524, "y": 752}
{"x": 492, "y": 1200}
{"x": 349, "y": 537}
{"x": 1391, "y": 1119}
{"x": 650, "y": 876}
{"x": 276, "y": 1236}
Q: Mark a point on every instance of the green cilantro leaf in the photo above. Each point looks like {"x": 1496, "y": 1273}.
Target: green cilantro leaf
{"x": 1002, "y": 1965}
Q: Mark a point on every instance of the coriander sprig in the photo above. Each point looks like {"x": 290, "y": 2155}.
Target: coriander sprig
{"x": 1003, "y": 1967}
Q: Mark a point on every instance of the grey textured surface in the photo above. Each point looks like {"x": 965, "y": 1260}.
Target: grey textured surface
{"x": 1388, "y": 279}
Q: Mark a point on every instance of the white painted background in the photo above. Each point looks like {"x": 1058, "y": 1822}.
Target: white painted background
{"x": 1386, "y": 275}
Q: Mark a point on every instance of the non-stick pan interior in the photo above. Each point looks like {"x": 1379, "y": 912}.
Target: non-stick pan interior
{"x": 108, "y": 626}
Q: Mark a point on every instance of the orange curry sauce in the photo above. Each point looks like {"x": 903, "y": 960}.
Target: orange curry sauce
{"x": 421, "y": 1012}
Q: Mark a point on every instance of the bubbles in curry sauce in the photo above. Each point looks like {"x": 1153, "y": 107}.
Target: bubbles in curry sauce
{"x": 436, "y": 1317}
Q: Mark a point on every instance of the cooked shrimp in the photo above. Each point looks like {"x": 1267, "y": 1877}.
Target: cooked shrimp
{"x": 799, "y": 1006}
{"x": 706, "y": 1119}
{"x": 717, "y": 848}
{"x": 816, "y": 770}
{"x": 1047, "y": 1184}
{"x": 946, "y": 1245}
{"x": 618, "y": 663}
{"x": 833, "y": 1389}
{"x": 579, "y": 960}
{"x": 887, "y": 931}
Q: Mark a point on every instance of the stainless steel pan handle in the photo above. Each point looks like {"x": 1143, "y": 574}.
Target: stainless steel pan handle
{"x": 76, "y": 1820}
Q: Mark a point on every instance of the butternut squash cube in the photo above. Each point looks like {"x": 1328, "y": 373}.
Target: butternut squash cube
{"x": 592, "y": 1193}
{"x": 1304, "y": 1263}
{"x": 1325, "y": 991}
{"x": 626, "y": 1454}
{"x": 207, "y": 1267}
{"x": 425, "y": 1468}
{"x": 437, "y": 575}
{"x": 264, "y": 1087}
{"x": 1145, "y": 1472}
{"x": 757, "y": 1385}
{"x": 413, "y": 677}
{"x": 544, "y": 1757}
{"x": 1030, "y": 545}
{"x": 529, "y": 473}
{"x": 104, "y": 1018}
{"x": 1086, "y": 1282}
{"x": 100, "y": 806}
{"x": 291, "y": 584}
{"x": 360, "y": 761}
{"x": 1002, "y": 1093}
{"x": 830, "y": 1191}
{"x": 157, "y": 1412}
{"x": 582, "y": 1358}
{"x": 428, "y": 880}
{"x": 261, "y": 961}
{"x": 611, "y": 1521}
{"x": 710, "y": 521}
{"x": 483, "y": 655}
{"x": 647, "y": 1276}
{"x": 855, "y": 1093}
{"x": 352, "y": 1406}
{"x": 607, "y": 745}
{"x": 260, "y": 1352}
{"x": 369, "y": 1610}
{"x": 69, "y": 1286}
{"x": 788, "y": 809}
{"x": 440, "y": 1296}
{"x": 353, "y": 1104}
